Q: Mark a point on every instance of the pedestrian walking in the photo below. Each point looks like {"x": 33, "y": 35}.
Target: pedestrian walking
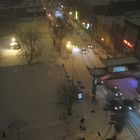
{"x": 81, "y": 127}
{"x": 84, "y": 128}
{"x": 54, "y": 42}
{"x": 82, "y": 120}
{"x": 3, "y": 134}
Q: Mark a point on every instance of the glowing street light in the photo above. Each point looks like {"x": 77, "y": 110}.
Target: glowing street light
{"x": 75, "y": 49}
{"x": 102, "y": 39}
{"x": 87, "y": 26}
{"x": 49, "y": 15}
{"x": 62, "y": 6}
{"x": 70, "y": 13}
{"x": 83, "y": 23}
{"x": 13, "y": 39}
{"x": 68, "y": 45}
{"x": 13, "y": 44}
{"x": 76, "y": 15}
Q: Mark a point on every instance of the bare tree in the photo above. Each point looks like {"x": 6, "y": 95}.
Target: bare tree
{"x": 16, "y": 126}
{"x": 30, "y": 43}
{"x": 66, "y": 99}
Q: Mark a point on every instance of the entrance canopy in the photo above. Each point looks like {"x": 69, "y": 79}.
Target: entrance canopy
{"x": 97, "y": 71}
{"x": 120, "y": 61}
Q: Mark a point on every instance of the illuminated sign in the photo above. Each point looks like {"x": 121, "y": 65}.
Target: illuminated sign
{"x": 76, "y": 15}
{"x": 120, "y": 69}
{"x": 130, "y": 45}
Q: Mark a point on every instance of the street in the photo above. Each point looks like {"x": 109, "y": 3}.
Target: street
{"x": 33, "y": 90}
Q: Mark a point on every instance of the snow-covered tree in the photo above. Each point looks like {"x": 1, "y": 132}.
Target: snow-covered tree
{"x": 30, "y": 43}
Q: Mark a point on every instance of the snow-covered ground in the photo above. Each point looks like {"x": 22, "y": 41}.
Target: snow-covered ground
{"x": 29, "y": 95}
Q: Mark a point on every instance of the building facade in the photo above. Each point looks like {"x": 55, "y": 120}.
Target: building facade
{"x": 119, "y": 34}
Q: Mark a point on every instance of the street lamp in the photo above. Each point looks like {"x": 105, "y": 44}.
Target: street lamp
{"x": 70, "y": 13}
{"x": 13, "y": 39}
{"x": 69, "y": 46}
{"x": 83, "y": 23}
{"x": 49, "y": 15}
{"x": 62, "y": 6}
{"x": 102, "y": 39}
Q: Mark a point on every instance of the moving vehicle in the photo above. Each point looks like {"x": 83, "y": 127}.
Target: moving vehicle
{"x": 116, "y": 91}
{"x": 115, "y": 105}
{"x": 84, "y": 51}
{"x": 90, "y": 46}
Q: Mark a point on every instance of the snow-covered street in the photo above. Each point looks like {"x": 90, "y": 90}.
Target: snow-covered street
{"x": 29, "y": 95}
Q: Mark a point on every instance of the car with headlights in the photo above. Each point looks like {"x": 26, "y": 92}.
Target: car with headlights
{"x": 115, "y": 105}
{"x": 84, "y": 51}
{"x": 116, "y": 91}
{"x": 90, "y": 46}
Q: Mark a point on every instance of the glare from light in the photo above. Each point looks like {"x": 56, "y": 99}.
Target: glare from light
{"x": 62, "y": 6}
{"x": 9, "y": 52}
{"x": 102, "y": 82}
{"x": 70, "y": 13}
{"x": 75, "y": 49}
{"x": 13, "y": 39}
{"x": 83, "y": 23}
{"x": 58, "y": 13}
{"x": 80, "y": 96}
{"x": 102, "y": 39}
{"x": 76, "y": 15}
{"x": 13, "y": 43}
{"x": 130, "y": 108}
{"x": 115, "y": 108}
{"x": 49, "y": 15}
{"x": 130, "y": 45}
{"x": 69, "y": 45}
{"x": 87, "y": 26}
